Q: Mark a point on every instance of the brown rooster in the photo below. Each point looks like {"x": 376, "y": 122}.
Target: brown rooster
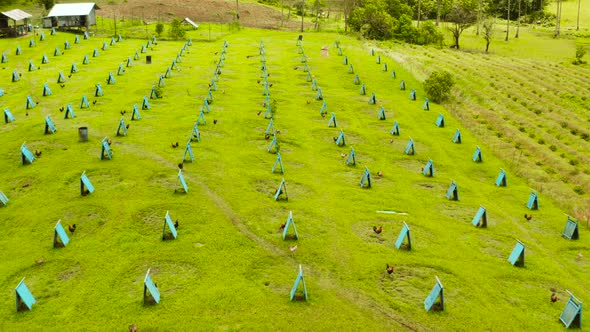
{"x": 528, "y": 217}
{"x": 390, "y": 269}
{"x": 554, "y": 298}
{"x": 378, "y": 230}
{"x": 72, "y": 228}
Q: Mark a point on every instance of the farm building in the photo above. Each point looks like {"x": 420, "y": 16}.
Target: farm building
{"x": 71, "y": 15}
{"x": 14, "y": 22}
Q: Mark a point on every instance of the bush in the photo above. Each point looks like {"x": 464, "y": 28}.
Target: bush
{"x": 159, "y": 29}
{"x": 176, "y": 31}
{"x": 580, "y": 52}
{"x": 438, "y": 85}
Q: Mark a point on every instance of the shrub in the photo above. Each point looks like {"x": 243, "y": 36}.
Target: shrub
{"x": 580, "y": 52}
{"x": 176, "y": 31}
{"x": 159, "y": 29}
{"x": 438, "y": 85}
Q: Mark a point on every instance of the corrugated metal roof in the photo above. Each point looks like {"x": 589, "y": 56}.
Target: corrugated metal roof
{"x": 16, "y": 14}
{"x": 72, "y": 9}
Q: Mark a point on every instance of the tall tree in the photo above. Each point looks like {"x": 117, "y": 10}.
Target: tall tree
{"x": 558, "y": 19}
{"x": 438, "y": 5}
{"x": 347, "y": 7}
{"x": 302, "y": 13}
{"x": 518, "y": 21}
{"x": 578, "y": 24}
{"x": 462, "y": 15}
{"x": 488, "y": 32}
{"x": 419, "y": 3}
{"x": 508, "y": 21}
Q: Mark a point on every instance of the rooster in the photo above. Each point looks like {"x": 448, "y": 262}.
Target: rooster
{"x": 176, "y": 224}
{"x": 181, "y": 165}
{"x": 94, "y": 102}
{"x": 123, "y": 112}
{"x": 266, "y": 136}
{"x": 391, "y": 141}
{"x": 85, "y": 192}
{"x": 40, "y": 261}
{"x": 38, "y": 153}
{"x": 379, "y": 174}
{"x": 72, "y": 228}
{"x": 61, "y": 109}
{"x": 378, "y": 230}
{"x": 109, "y": 142}
{"x": 62, "y": 85}
{"x": 343, "y": 155}
{"x": 282, "y": 226}
{"x": 70, "y": 76}
{"x": 214, "y": 121}
{"x": 554, "y": 298}
{"x": 258, "y": 113}
{"x": 292, "y": 248}
{"x": 175, "y": 145}
{"x": 528, "y": 217}
{"x": 390, "y": 269}
{"x": 127, "y": 126}
{"x": 133, "y": 328}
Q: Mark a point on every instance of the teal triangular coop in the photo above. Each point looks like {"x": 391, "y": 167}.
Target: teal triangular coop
{"x": 319, "y": 95}
{"x": 86, "y": 35}
{"x": 56, "y": 52}
{"x": 67, "y": 45}
{"x": 26, "y": 155}
{"x": 332, "y": 121}
{"x": 111, "y": 79}
{"x": 457, "y": 137}
{"x": 404, "y": 234}
{"x": 8, "y": 117}
{"x": 428, "y": 170}
{"x": 413, "y": 94}
{"x": 32, "y": 66}
{"x": 351, "y": 159}
{"x": 69, "y": 113}
{"x": 129, "y": 62}
{"x": 340, "y": 140}
{"x": 86, "y": 186}
{"x": 381, "y": 114}
{"x": 173, "y": 65}
{"x": 153, "y": 93}
{"x": 196, "y": 135}
{"x": 44, "y": 59}
{"x": 168, "y": 224}
{"x": 378, "y": 61}
{"x": 306, "y": 68}
{"x": 440, "y": 121}
{"x": 395, "y": 129}
{"x": 533, "y": 202}
{"x": 145, "y": 105}
{"x": 188, "y": 153}
{"x": 84, "y": 102}
{"x": 278, "y": 166}
{"x": 24, "y": 298}
{"x": 409, "y": 150}
{"x": 299, "y": 280}
{"x": 53, "y": 32}
{"x": 314, "y": 85}
{"x": 77, "y": 39}
{"x": 426, "y": 105}
{"x": 105, "y": 150}
{"x": 209, "y": 97}
{"x": 4, "y": 58}
{"x": 136, "y": 56}
{"x": 481, "y": 218}
{"x": 340, "y": 52}
{"x": 436, "y": 299}
{"x": 42, "y": 36}
{"x": 161, "y": 81}
{"x": 30, "y": 103}
{"x": 477, "y": 157}
{"x": 453, "y": 192}
{"x": 151, "y": 293}
{"x": 201, "y": 118}
{"x": 205, "y": 108}
{"x": 501, "y": 179}
{"x": 281, "y": 192}
{"x": 308, "y": 78}
{"x": 290, "y": 223}
{"x": 73, "y": 69}
{"x": 345, "y": 60}
{"x": 122, "y": 128}
{"x": 46, "y": 90}
{"x": 19, "y": 51}
{"x": 32, "y": 43}
{"x": 119, "y": 38}
{"x": 1, "y": 92}
{"x": 86, "y": 60}
{"x": 273, "y": 147}
{"x": 324, "y": 109}
{"x": 15, "y": 76}
{"x": 168, "y": 73}
{"x": 372, "y": 52}
{"x": 351, "y": 69}
{"x": 113, "y": 41}
{"x": 182, "y": 182}
{"x": 3, "y": 199}
{"x": 213, "y": 85}
{"x": 356, "y": 80}
{"x": 571, "y": 316}
{"x": 95, "y": 53}
{"x": 60, "y": 238}
{"x": 61, "y": 78}
{"x": 516, "y": 258}
{"x": 270, "y": 128}
{"x": 373, "y": 99}
{"x": 363, "y": 90}
{"x": 402, "y": 85}
{"x": 49, "y": 126}
{"x": 571, "y": 230}
{"x": 135, "y": 115}
{"x": 98, "y": 91}
{"x": 366, "y": 181}
{"x": 120, "y": 70}
{"x": 104, "y": 46}
{"x": 384, "y": 68}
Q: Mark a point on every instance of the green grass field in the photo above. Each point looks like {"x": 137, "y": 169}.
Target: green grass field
{"x": 229, "y": 267}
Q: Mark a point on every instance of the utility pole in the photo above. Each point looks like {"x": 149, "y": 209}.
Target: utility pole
{"x": 578, "y": 24}
{"x": 115, "y": 22}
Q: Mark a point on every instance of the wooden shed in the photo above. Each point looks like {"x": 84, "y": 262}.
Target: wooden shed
{"x": 14, "y": 23}
{"x": 71, "y": 15}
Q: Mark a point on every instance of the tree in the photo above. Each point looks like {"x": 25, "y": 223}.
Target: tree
{"x": 580, "y": 52}
{"x": 176, "y": 31}
{"x": 159, "y": 28}
{"x": 317, "y": 5}
{"x": 508, "y": 21}
{"x": 438, "y": 85}
{"x": 518, "y": 20}
{"x": 347, "y": 7}
{"x": 488, "y": 32}
{"x": 372, "y": 21}
{"x": 462, "y": 16}
{"x": 47, "y": 4}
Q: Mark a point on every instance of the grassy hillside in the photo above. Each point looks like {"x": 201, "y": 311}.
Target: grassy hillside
{"x": 229, "y": 267}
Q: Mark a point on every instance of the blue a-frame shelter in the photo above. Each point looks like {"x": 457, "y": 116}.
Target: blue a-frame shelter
{"x": 281, "y": 192}
{"x": 363, "y": 90}
{"x": 402, "y": 85}
{"x": 345, "y": 60}
{"x": 403, "y": 234}
{"x": 356, "y": 80}
{"x": 46, "y": 90}
{"x": 457, "y": 137}
{"x": 61, "y": 78}
{"x": 501, "y": 179}
{"x": 393, "y": 74}
{"x": 32, "y": 66}
{"x": 95, "y": 53}
{"x": 477, "y": 157}
{"x": 571, "y": 316}
{"x": 314, "y": 86}
{"x": 111, "y": 79}
{"x": 372, "y": 99}
{"x": 413, "y": 94}
{"x": 182, "y": 182}
{"x": 319, "y": 95}
{"x": 378, "y": 60}
{"x": 129, "y": 62}
{"x": 351, "y": 159}
{"x": 426, "y": 105}
{"x": 440, "y": 121}
{"x": 350, "y": 69}
{"x": 436, "y": 299}
{"x": 453, "y": 192}
{"x": 381, "y": 115}
{"x": 26, "y": 155}
{"x": 105, "y": 150}
{"x": 332, "y": 122}
{"x": 84, "y": 102}
{"x": 366, "y": 181}
{"x": 273, "y": 147}
{"x": 481, "y": 218}
{"x": 188, "y": 151}
{"x": 122, "y": 128}
{"x": 170, "y": 225}
{"x": 395, "y": 129}
{"x": 298, "y": 280}
{"x": 270, "y": 128}
{"x": 30, "y": 103}
{"x": 516, "y": 258}
{"x": 57, "y": 52}
{"x": 533, "y": 202}
{"x": 290, "y": 223}
{"x": 8, "y": 117}
{"x": 145, "y": 105}
{"x": 98, "y": 92}
{"x": 428, "y": 170}
{"x": 24, "y": 298}
{"x": 49, "y": 126}
{"x": 85, "y": 60}
{"x": 571, "y": 230}
{"x": 340, "y": 140}
{"x": 278, "y": 166}
{"x": 410, "y": 147}
{"x": 205, "y": 108}
{"x": 85, "y": 186}
{"x": 384, "y": 68}
{"x": 60, "y": 238}
{"x": 324, "y": 108}
{"x": 3, "y": 199}
{"x": 73, "y": 69}
{"x": 196, "y": 135}
{"x": 135, "y": 115}
{"x": 15, "y": 76}
{"x": 151, "y": 293}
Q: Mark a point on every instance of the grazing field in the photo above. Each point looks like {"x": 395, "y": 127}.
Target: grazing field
{"x": 229, "y": 268}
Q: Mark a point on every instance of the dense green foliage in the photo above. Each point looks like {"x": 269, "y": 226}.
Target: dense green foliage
{"x": 580, "y": 52}
{"x": 176, "y": 31}
{"x": 438, "y": 85}
{"x": 159, "y": 28}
